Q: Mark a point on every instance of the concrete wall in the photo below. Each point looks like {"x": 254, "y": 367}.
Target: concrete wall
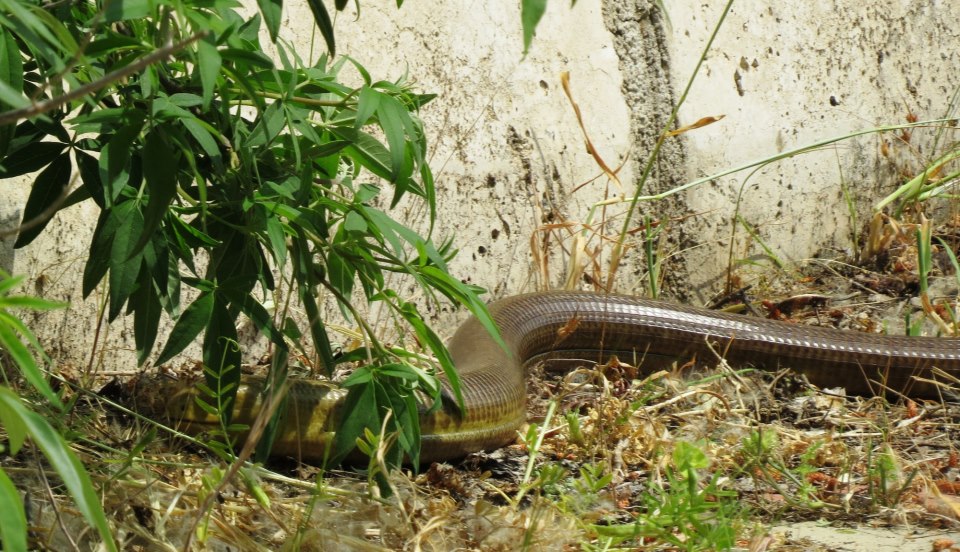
{"x": 790, "y": 74}
{"x": 510, "y": 157}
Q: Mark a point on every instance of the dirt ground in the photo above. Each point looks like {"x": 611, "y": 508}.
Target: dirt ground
{"x": 822, "y": 536}
{"x": 680, "y": 459}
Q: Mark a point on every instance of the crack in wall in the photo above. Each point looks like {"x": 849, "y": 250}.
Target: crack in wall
{"x": 640, "y": 41}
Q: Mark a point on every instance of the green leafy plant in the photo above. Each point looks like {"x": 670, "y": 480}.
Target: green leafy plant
{"x": 19, "y": 345}
{"x": 218, "y": 402}
{"x": 947, "y": 322}
{"x": 886, "y": 479}
{"x": 217, "y": 169}
{"x": 760, "y": 459}
{"x": 687, "y": 513}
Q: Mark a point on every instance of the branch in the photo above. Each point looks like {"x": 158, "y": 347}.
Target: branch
{"x": 39, "y": 108}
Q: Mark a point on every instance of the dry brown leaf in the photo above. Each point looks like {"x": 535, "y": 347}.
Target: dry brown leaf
{"x": 699, "y": 123}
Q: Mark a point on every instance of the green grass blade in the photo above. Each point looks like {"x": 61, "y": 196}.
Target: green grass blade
{"x": 13, "y": 519}
{"x": 64, "y": 462}
{"x": 24, "y": 360}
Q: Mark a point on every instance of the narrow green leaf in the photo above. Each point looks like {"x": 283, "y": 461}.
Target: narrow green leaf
{"x": 8, "y": 283}
{"x": 323, "y": 154}
{"x": 462, "y": 294}
{"x": 272, "y": 11}
{"x": 393, "y": 231}
{"x": 395, "y": 122}
{"x": 429, "y": 193}
{"x": 207, "y": 407}
{"x": 47, "y": 190}
{"x": 308, "y": 281}
{"x": 27, "y": 302}
{"x": 437, "y": 347}
{"x": 260, "y": 317}
{"x": 11, "y": 72}
{"x": 78, "y": 195}
{"x": 11, "y": 62}
{"x": 239, "y": 263}
{"x": 188, "y": 326}
{"x": 14, "y": 426}
{"x": 127, "y": 9}
{"x": 33, "y": 32}
{"x": 163, "y": 109}
{"x": 278, "y": 376}
{"x": 149, "y": 82}
{"x": 278, "y": 241}
{"x": 101, "y": 120}
{"x": 341, "y": 275}
{"x": 25, "y": 361}
{"x": 355, "y": 223}
{"x": 185, "y": 99}
{"x": 285, "y": 190}
{"x": 89, "y": 175}
{"x": 204, "y": 138}
{"x": 12, "y": 97}
{"x": 146, "y": 316}
{"x": 395, "y": 394}
{"x": 399, "y": 371}
{"x": 159, "y": 169}
{"x": 158, "y": 268}
{"x": 221, "y": 354}
{"x": 367, "y": 103}
{"x": 324, "y": 23}
{"x": 71, "y": 471}
{"x": 25, "y": 334}
{"x": 530, "y": 13}
{"x": 952, "y": 257}
{"x": 115, "y": 156}
{"x": 193, "y": 236}
{"x": 366, "y": 150}
{"x": 269, "y": 126}
{"x": 208, "y": 65}
{"x": 98, "y": 262}
{"x": 112, "y": 44}
{"x": 258, "y": 60}
{"x": 124, "y": 259}
{"x": 13, "y": 518}
{"x": 360, "y": 411}
{"x": 57, "y": 32}
{"x": 360, "y": 376}
{"x": 31, "y": 157}
{"x": 170, "y": 294}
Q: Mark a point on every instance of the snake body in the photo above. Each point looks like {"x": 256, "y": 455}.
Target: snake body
{"x": 492, "y": 377}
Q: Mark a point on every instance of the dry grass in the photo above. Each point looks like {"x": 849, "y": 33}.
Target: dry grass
{"x": 787, "y": 452}
{"x": 776, "y": 449}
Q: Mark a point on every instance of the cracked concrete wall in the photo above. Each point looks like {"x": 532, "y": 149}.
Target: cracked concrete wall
{"x": 510, "y": 158}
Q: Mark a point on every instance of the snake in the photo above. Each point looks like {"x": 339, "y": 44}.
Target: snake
{"x": 597, "y": 326}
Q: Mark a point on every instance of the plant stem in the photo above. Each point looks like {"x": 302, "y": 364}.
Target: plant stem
{"x": 40, "y": 108}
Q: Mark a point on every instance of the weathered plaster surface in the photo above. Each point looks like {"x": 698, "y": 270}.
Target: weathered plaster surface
{"x": 788, "y": 75}
{"x": 509, "y": 155}
{"x": 506, "y": 146}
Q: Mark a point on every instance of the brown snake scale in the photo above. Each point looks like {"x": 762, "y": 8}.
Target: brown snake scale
{"x": 493, "y": 377}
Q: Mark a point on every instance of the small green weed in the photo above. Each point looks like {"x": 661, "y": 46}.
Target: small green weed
{"x": 760, "y": 460}
{"x": 686, "y": 512}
